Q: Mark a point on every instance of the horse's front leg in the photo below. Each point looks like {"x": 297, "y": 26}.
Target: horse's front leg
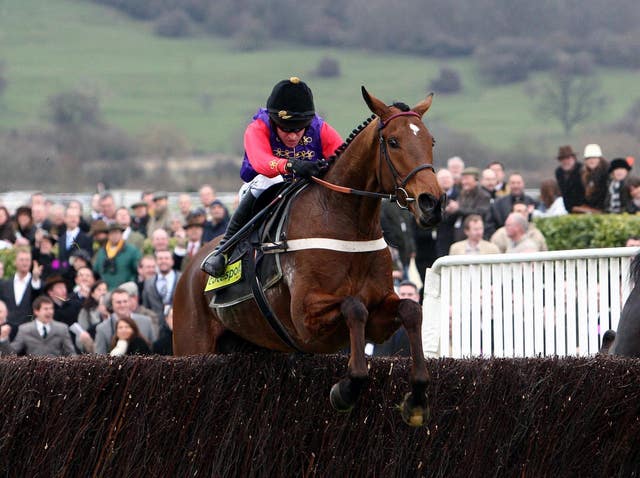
{"x": 414, "y": 408}
{"x": 345, "y": 393}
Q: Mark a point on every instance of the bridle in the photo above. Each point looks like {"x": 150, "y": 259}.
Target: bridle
{"x": 400, "y": 195}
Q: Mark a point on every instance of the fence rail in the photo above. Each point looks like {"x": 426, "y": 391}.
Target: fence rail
{"x": 524, "y": 305}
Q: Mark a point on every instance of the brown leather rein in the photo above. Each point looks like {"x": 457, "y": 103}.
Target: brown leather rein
{"x": 400, "y": 195}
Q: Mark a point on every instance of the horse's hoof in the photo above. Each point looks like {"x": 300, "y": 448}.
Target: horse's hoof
{"x": 414, "y": 416}
{"x": 337, "y": 400}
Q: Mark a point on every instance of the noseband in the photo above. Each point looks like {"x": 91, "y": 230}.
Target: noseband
{"x": 400, "y": 195}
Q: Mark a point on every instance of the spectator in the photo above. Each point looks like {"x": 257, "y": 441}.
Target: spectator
{"x": 138, "y": 308}
{"x": 618, "y": 196}
{"x": 120, "y": 305}
{"x": 7, "y": 231}
{"x": 501, "y": 208}
{"x": 146, "y": 270}
{"x": 472, "y": 200}
{"x": 39, "y": 217}
{"x": 455, "y": 166}
{"x": 5, "y": 331}
{"x": 175, "y": 224}
{"x": 127, "y": 339}
{"x": 117, "y": 261}
{"x": 25, "y": 230}
{"x": 633, "y": 183}
{"x": 445, "y": 234}
{"x": 160, "y": 218}
{"x": 65, "y": 310}
{"x": 516, "y": 227}
{"x": 130, "y": 236}
{"x": 99, "y": 232}
{"x": 184, "y": 206}
{"x": 193, "y": 241}
{"x": 595, "y": 176}
{"x": 164, "y": 344}
{"x": 501, "y": 188}
{"x": 140, "y": 217}
{"x": 488, "y": 181}
{"x": 93, "y": 312}
{"x": 73, "y": 237}
{"x": 398, "y": 344}
{"x": 57, "y": 226}
{"x": 160, "y": 242}
{"x": 219, "y": 220}
{"x": 474, "y": 243}
{"x": 207, "y": 196}
{"x": 19, "y": 292}
{"x": 43, "y": 336}
{"x": 83, "y": 283}
{"x": 551, "y": 202}
{"x": 158, "y": 290}
{"x": 95, "y": 208}
{"x": 569, "y": 178}
{"x": 45, "y": 256}
{"x": 501, "y": 239}
{"x": 75, "y": 205}
{"x": 633, "y": 241}
{"x": 107, "y": 208}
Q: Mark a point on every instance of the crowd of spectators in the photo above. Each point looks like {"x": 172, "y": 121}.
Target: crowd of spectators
{"x": 98, "y": 281}
{"x": 102, "y": 281}
{"x": 488, "y": 210}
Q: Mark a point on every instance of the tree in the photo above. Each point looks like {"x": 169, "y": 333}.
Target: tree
{"x": 569, "y": 98}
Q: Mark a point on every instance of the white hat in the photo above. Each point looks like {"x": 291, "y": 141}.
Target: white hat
{"x": 592, "y": 151}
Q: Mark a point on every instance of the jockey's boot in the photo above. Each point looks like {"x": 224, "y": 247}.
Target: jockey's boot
{"x": 215, "y": 263}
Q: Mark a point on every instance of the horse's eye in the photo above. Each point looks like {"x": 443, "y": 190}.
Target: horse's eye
{"x": 393, "y": 142}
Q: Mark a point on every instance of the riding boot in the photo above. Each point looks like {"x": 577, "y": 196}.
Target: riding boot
{"x": 216, "y": 263}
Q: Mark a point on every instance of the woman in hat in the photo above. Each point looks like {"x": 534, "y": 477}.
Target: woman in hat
{"x": 285, "y": 140}
{"x": 595, "y": 179}
{"x": 618, "y": 196}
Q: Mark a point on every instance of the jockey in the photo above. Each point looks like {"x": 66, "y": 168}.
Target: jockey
{"x": 285, "y": 140}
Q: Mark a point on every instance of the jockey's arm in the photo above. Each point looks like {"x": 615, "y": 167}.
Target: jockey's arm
{"x": 258, "y": 148}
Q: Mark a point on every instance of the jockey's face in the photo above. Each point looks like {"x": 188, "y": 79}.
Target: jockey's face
{"x": 290, "y": 139}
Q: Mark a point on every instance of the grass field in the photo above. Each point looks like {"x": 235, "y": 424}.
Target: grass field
{"x": 145, "y": 81}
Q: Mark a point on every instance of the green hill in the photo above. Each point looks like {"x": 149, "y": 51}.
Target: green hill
{"x": 208, "y": 91}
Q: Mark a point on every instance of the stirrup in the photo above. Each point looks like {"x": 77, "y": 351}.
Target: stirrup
{"x": 214, "y": 264}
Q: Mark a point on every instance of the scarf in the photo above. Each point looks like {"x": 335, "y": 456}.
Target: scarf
{"x": 112, "y": 251}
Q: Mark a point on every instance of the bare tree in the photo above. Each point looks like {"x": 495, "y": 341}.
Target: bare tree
{"x": 569, "y": 98}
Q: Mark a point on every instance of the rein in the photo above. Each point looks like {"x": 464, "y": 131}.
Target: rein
{"x": 402, "y": 202}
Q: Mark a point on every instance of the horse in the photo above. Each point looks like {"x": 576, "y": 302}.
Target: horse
{"x": 329, "y": 299}
{"x": 626, "y": 340}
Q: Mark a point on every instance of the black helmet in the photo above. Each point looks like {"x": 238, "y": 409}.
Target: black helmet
{"x": 290, "y": 104}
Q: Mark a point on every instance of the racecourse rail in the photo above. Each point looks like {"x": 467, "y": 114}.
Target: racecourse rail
{"x": 556, "y": 303}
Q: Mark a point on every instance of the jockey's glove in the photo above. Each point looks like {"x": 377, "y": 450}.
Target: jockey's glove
{"x": 306, "y": 169}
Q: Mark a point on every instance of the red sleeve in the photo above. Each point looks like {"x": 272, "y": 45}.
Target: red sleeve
{"x": 330, "y": 138}
{"x": 258, "y": 149}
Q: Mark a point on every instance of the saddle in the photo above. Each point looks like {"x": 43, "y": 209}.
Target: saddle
{"x": 254, "y": 262}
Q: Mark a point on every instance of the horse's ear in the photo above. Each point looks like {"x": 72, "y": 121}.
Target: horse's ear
{"x": 375, "y": 105}
{"x": 422, "y": 107}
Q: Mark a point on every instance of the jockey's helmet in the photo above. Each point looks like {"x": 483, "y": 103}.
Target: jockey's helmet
{"x": 290, "y": 104}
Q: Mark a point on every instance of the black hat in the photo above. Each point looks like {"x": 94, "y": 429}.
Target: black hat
{"x": 53, "y": 280}
{"x": 290, "y": 104}
{"x": 79, "y": 252}
{"x": 114, "y": 226}
{"x": 618, "y": 163}
{"x": 192, "y": 222}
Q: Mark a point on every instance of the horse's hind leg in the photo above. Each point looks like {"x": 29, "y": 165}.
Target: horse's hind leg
{"x": 345, "y": 393}
{"x": 414, "y": 408}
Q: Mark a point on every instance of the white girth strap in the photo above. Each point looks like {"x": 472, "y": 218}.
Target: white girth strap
{"x": 335, "y": 245}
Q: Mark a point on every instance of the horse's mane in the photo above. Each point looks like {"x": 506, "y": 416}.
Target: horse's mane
{"x": 357, "y": 130}
{"x": 635, "y": 269}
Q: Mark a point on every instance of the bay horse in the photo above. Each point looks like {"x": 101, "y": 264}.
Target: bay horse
{"x": 329, "y": 299}
{"x": 626, "y": 340}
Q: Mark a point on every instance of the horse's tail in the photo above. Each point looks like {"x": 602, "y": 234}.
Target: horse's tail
{"x": 607, "y": 340}
{"x": 635, "y": 269}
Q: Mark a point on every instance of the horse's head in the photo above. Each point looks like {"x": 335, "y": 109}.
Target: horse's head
{"x": 406, "y": 158}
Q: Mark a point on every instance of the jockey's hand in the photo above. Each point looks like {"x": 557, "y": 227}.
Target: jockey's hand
{"x": 305, "y": 169}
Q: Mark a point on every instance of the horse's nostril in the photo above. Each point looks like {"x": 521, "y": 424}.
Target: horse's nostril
{"x": 426, "y": 202}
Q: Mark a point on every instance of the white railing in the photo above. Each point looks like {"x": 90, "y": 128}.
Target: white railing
{"x": 524, "y": 305}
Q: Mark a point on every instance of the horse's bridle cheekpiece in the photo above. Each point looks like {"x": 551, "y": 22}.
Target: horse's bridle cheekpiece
{"x": 400, "y": 195}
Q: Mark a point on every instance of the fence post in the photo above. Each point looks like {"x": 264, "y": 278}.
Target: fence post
{"x": 431, "y": 314}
